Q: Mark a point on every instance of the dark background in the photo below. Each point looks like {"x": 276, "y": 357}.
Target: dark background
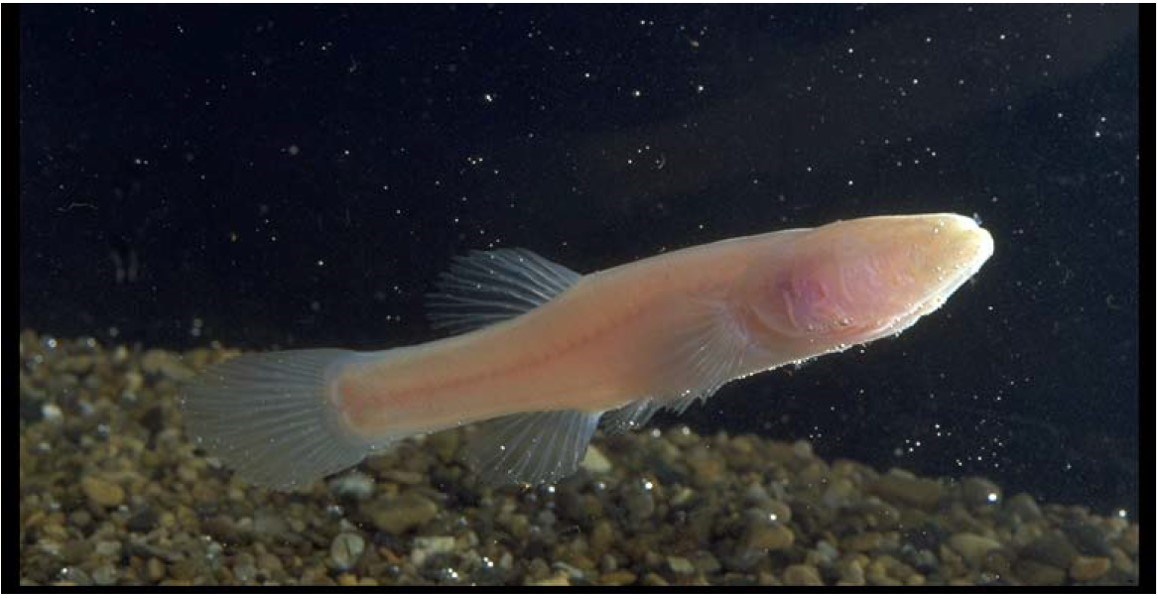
{"x": 295, "y": 176}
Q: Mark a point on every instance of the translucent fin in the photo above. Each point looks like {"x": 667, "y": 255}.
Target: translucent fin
{"x": 268, "y": 416}
{"x": 710, "y": 350}
{"x": 483, "y": 288}
{"x": 630, "y": 417}
{"x": 532, "y": 448}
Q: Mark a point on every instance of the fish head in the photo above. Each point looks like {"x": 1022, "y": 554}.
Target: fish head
{"x": 854, "y": 281}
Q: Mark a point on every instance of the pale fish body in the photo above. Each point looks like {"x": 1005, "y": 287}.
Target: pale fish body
{"x": 545, "y": 353}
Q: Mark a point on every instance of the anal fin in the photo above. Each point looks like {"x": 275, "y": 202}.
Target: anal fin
{"x": 631, "y": 416}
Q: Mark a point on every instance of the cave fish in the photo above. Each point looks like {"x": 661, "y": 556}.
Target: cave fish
{"x": 540, "y": 353}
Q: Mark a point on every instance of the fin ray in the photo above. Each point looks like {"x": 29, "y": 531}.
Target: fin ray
{"x": 483, "y": 288}
{"x": 534, "y": 447}
{"x": 631, "y": 416}
{"x": 268, "y": 416}
{"x": 710, "y": 351}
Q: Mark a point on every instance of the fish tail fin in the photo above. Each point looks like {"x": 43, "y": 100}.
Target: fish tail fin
{"x": 270, "y": 417}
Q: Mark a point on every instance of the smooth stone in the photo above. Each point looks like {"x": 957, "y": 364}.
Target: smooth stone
{"x": 163, "y": 363}
{"x": 245, "y": 570}
{"x": 400, "y": 514}
{"x": 1086, "y": 569}
{"x": 102, "y": 492}
{"x": 105, "y": 574}
{"x": 424, "y": 547}
{"x": 780, "y": 511}
{"x": 862, "y": 543}
{"x": 1039, "y": 574}
{"x": 639, "y": 500}
{"x": 907, "y": 489}
{"x": 851, "y": 573}
{"x": 802, "y": 450}
{"x": 655, "y": 580}
{"x": 617, "y": 578}
{"x": 1087, "y": 538}
{"x": 346, "y": 549}
{"x": 840, "y": 493}
{"x": 268, "y": 523}
{"x": 558, "y": 580}
{"x": 894, "y": 568}
{"x": 108, "y": 549}
{"x": 73, "y": 551}
{"x": 154, "y": 569}
{"x": 142, "y": 521}
{"x": 602, "y": 537}
{"x": 595, "y": 462}
{"x": 878, "y": 514}
{"x": 802, "y": 575}
{"x": 222, "y": 528}
{"x": 680, "y": 566}
{"x": 705, "y": 562}
{"x": 1024, "y": 506}
{"x": 973, "y": 547}
{"x": 979, "y": 492}
{"x": 1052, "y": 548}
{"x": 707, "y": 467}
{"x": 769, "y": 537}
{"x": 445, "y": 444}
{"x": 354, "y": 485}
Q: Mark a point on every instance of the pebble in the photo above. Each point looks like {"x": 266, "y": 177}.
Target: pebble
{"x": 154, "y": 570}
{"x": 1088, "y": 569}
{"x": 680, "y": 566}
{"x": 617, "y": 578}
{"x": 401, "y": 514}
{"x": 424, "y": 547}
{"x": 802, "y": 575}
{"x": 707, "y": 468}
{"x": 162, "y": 363}
{"x": 851, "y": 573}
{"x": 1052, "y": 548}
{"x": 595, "y": 462}
{"x": 353, "y": 485}
{"x": 1023, "y": 506}
{"x": 1038, "y": 574}
{"x": 973, "y": 547}
{"x": 639, "y": 499}
{"x": 346, "y": 549}
{"x": 906, "y": 489}
{"x": 863, "y": 543}
{"x": 602, "y": 537}
{"x": 978, "y": 492}
{"x": 108, "y": 549}
{"x": 105, "y": 575}
{"x": 771, "y": 536}
{"x": 102, "y": 492}
{"x": 146, "y": 507}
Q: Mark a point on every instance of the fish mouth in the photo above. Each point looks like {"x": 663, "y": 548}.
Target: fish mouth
{"x": 970, "y": 247}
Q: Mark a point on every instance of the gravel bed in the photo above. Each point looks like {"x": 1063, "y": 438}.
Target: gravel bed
{"x": 114, "y": 493}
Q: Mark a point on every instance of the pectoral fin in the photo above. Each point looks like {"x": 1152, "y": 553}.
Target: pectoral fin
{"x": 532, "y": 448}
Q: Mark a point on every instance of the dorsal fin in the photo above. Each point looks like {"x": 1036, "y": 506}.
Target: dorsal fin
{"x": 483, "y": 288}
